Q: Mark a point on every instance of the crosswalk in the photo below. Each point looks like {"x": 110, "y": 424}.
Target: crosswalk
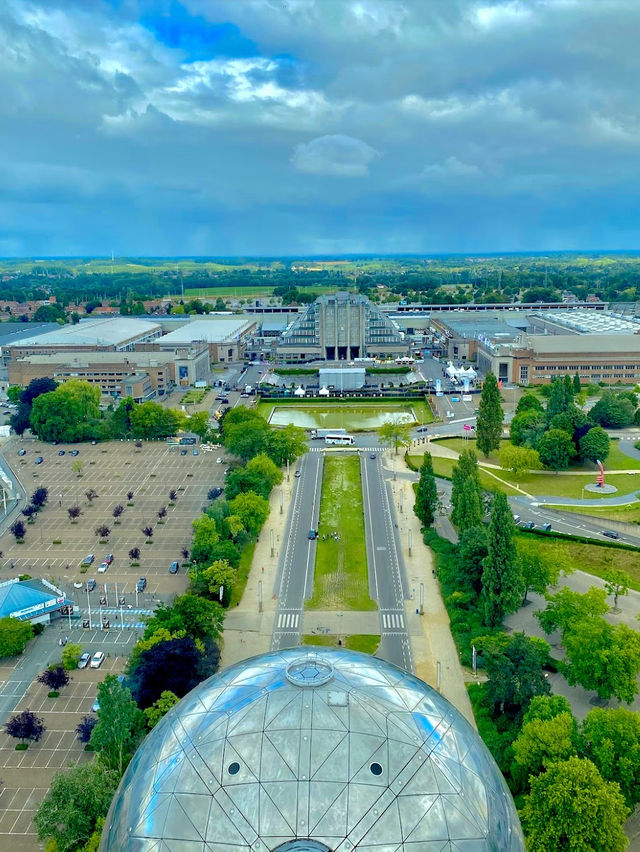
{"x": 288, "y": 620}
{"x": 361, "y": 449}
{"x": 392, "y": 621}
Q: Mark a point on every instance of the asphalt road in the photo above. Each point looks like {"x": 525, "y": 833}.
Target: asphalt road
{"x": 386, "y": 572}
{"x": 297, "y": 559}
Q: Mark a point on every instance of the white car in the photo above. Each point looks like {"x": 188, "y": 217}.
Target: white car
{"x": 103, "y": 567}
{"x": 97, "y": 660}
{"x": 219, "y": 460}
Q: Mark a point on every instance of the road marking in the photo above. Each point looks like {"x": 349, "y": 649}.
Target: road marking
{"x": 288, "y": 620}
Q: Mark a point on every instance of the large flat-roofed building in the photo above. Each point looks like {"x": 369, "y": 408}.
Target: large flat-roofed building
{"x": 225, "y": 336}
{"x": 538, "y": 358}
{"x": 156, "y": 373}
{"x": 117, "y": 334}
{"x": 456, "y": 334}
{"x": 341, "y": 327}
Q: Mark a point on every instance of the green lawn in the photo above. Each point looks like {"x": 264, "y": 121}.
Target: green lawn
{"x": 341, "y": 577}
{"x": 366, "y": 643}
{"x": 593, "y": 558}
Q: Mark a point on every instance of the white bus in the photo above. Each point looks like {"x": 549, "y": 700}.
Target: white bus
{"x": 339, "y": 439}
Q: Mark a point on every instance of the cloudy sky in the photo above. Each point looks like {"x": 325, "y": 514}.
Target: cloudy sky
{"x": 271, "y": 127}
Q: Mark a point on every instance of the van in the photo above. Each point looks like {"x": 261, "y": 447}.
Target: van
{"x": 516, "y": 519}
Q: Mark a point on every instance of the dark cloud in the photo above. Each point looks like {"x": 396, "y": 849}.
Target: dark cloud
{"x": 301, "y": 126}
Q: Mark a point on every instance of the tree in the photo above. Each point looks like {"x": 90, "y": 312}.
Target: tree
{"x": 30, "y": 511}
{"x": 514, "y": 664}
{"x": 173, "y": 495}
{"x": 542, "y": 742}
{"x": 173, "y": 665}
{"x": 196, "y": 616}
{"x": 162, "y": 513}
{"x": 117, "y": 511}
{"x": 490, "y": 417}
{"x": 25, "y": 726}
{"x": 70, "y": 656}
{"x": 147, "y": 531}
{"x": 220, "y": 575}
{"x": 103, "y": 531}
{"x": 85, "y": 727}
{"x": 266, "y": 469}
{"x": 470, "y": 509}
{"x": 526, "y": 428}
{"x": 77, "y": 466}
{"x": 150, "y": 420}
{"x": 285, "y": 444}
{"x": 54, "y": 677}
{"x": 471, "y": 550}
{"x": 205, "y": 536}
{"x": 129, "y": 496}
{"x": 519, "y": 460}
{"x": 77, "y": 799}
{"x": 539, "y": 569}
{"x": 14, "y": 393}
{"x": 613, "y": 411}
{"x": 427, "y": 501}
{"x": 571, "y": 807}
{"x": 18, "y": 529}
{"x": 246, "y": 439}
{"x": 120, "y": 725}
{"x": 603, "y": 657}
{"x": 617, "y": 583}
{"x": 595, "y": 444}
{"x": 567, "y": 608}
{"x": 611, "y": 739}
{"x": 545, "y": 707}
{"x": 14, "y": 636}
{"x": 198, "y": 423}
{"x": 39, "y": 497}
{"x": 91, "y": 494}
{"x": 577, "y": 387}
{"x": 74, "y": 512}
{"x": 134, "y": 554}
{"x": 502, "y": 585}
{"x": 528, "y": 402}
{"x": 467, "y": 467}
{"x": 556, "y": 449}
{"x": 395, "y": 432}
{"x": 252, "y": 510}
{"x": 160, "y": 707}
{"x": 69, "y": 413}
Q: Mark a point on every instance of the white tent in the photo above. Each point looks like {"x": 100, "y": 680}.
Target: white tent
{"x": 299, "y": 391}
{"x": 323, "y": 392}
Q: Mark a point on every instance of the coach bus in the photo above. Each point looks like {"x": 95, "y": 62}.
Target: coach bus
{"x": 346, "y": 440}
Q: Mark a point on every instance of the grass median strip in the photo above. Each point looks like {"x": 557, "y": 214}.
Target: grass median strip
{"x": 367, "y": 643}
{"x": 341, "y": 579}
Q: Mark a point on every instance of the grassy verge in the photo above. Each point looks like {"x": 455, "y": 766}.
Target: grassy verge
{"x": 341, "y": 578}
{"x": 366, "y": 643}
{"x": 444, "y": 469}
{"x": 242, "y": 574}
{"x": 629, "y": 514}
{"x": 593, "y": 558}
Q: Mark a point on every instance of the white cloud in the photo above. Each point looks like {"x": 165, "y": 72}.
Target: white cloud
{"x": 334, "y": 155}
{"x": 452, "y": 168}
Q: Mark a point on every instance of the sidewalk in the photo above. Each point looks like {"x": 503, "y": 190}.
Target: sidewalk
{"x": 431, "y": 639}
{"x": 247, "y": 632}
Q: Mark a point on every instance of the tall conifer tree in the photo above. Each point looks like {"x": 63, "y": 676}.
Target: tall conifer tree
{"x": 490, "y": 417}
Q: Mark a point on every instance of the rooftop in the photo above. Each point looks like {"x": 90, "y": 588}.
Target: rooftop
{"x": 592, "y": 322}
{"x": 94, "y": 332}
{"x": 587, "y": 344}
{"x": 25, "y": 599}
{"x": 216, "y": 330}
{"x": 14, "y": 332}
{"x": 84, "y": 359}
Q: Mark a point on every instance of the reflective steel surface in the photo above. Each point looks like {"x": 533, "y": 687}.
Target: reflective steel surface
{"x": 335, "y": 748}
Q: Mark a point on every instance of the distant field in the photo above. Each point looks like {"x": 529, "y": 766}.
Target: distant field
{"x": 249, "y": 291}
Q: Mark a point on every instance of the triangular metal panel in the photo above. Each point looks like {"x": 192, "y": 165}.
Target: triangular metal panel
{"x": 362, "y": 798}
{"x": 386, "y": 829}
{"x": 328, "y": 808}
{"x": 336, "y": 765}
{"x": 246, "y": 750}
{"x": 287, "y": 745}
{"x": 274, "y": 767}
{"x": 323, "y": 716}
{"x": 246, "y": 798}
{"x": 152, "y": 819}
{"x": 423, "y": 781}
{"x": 289, "y": 717}
{"x": 361, "y": 751}
{"x": 189, "y": 780}
{"x": 460, "y": 820}
{"x": 248, "y": 719}
{"x": 179, "y": 824}
{"x": 323, "y": 747}
{"x": 433, "y": 825}
{"x": 221, "y": 827}
{"x": 277, "y": 811}
{"x": 276, "y": 702}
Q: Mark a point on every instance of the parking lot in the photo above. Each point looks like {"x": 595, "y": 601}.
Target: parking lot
{"x": 27, "y": 774}
{"x": 112, "y": 470}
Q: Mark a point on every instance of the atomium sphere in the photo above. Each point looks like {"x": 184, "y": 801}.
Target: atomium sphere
{"x": 310, "y": 750}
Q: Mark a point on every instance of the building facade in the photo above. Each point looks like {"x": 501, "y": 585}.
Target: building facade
{"x": 341, "y": 327}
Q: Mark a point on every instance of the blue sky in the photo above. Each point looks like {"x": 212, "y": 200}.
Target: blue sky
{"x": 270, "y": 127}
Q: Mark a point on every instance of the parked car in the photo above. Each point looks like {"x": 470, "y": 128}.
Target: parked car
{"x": 611, "y": 533}
{"x": 89, "y": 559}
{"x": 196, "y": 452}
{"x": 183, "y": 452}
{"x": 39, "y": 460}
{"x": 313, "y": 534}
{"x": 372, "y": 456}
{"x": 91, "y": 584}
{"x": 102, "y": 567}
{"x": 529, "y": 525}
{"x": 174, "y": 567}
{"x": 545, "y": 527}
{"x": 74, "y": 452}
{"x": 109, "y": 558}
{"x": 219, "y": 460}
{"x": 216, "y": 492}
{"x": 97, "y": 660}
{"x": 141, "y": 585}
{"x": 60, "y": 452}
{"x": 83, "y": 662}
{"x": 516, "y": 519}
{"x": 22, "y": 452}
{"x": 298, "y": 474}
